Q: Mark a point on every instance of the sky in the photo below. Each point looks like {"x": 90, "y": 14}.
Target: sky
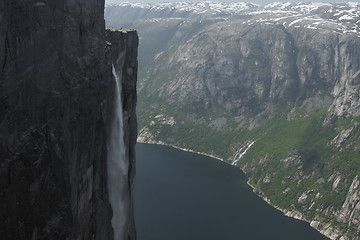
{"x": 252, "y": 1}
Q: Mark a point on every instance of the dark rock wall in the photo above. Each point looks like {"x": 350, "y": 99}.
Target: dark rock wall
{"x": 122, "y": 49}
{"x": 55, "y": 83}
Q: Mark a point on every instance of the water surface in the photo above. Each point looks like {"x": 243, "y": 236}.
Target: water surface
{"x": 186, "y": 196}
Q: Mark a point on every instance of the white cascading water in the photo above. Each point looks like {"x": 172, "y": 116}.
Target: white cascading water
{"x": 116, "y": 164}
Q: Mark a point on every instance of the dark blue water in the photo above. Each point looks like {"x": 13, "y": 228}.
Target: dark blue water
{"x": 186, "y": 196}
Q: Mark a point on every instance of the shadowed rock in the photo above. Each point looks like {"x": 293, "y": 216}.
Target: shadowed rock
{"x": 56, "y": 92}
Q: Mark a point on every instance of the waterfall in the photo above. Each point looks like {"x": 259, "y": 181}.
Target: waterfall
{"x": 242, "y": 151}
{"x": 116, "y": 165}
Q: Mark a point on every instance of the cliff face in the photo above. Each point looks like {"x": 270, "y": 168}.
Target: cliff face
{"x": 248, "y": 56}
{"x": 122, "y": 51}
{"x": 248, "y": 69}
{"x": 346, "y": 90}
{"x": 55, "y": 104}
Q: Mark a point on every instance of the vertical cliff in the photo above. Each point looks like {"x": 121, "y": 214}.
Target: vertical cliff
{"x": 55, "y": 105}
{"x": 122, "y": 51}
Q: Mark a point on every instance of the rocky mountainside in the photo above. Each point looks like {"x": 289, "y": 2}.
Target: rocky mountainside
{"x": 272, "y": 89}
{"x": 291, "y": 51}
{"x": 56, "y": 103}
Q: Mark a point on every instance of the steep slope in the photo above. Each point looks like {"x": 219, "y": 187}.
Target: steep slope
{"x": 56, "y": 97}
{"x": 273, "y": 90}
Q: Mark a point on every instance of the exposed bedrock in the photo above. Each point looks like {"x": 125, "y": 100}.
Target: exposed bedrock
{"x": 56, "y": 93}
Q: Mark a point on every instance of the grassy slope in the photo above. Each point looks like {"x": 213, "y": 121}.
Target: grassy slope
{"x": 274, "y": 141}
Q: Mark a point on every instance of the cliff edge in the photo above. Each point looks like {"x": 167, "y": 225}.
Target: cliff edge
{"x": 55, "y": 107}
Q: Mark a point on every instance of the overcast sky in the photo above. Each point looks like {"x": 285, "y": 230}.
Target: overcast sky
{"x": 252, "y": 1}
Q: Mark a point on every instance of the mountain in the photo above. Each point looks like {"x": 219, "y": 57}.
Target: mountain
{"x": 272, "y": 89}
{"x": 56, "y": 106}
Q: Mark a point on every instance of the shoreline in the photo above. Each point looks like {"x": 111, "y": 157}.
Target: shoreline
{"x": 324, "y": 229}
{"x": 180, "y": 148}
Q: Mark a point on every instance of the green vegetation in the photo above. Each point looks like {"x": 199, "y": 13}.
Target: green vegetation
{"x": 274, "y": 141}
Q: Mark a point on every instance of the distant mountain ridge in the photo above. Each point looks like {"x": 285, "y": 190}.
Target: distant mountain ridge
{"x": 346, "y": 15}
